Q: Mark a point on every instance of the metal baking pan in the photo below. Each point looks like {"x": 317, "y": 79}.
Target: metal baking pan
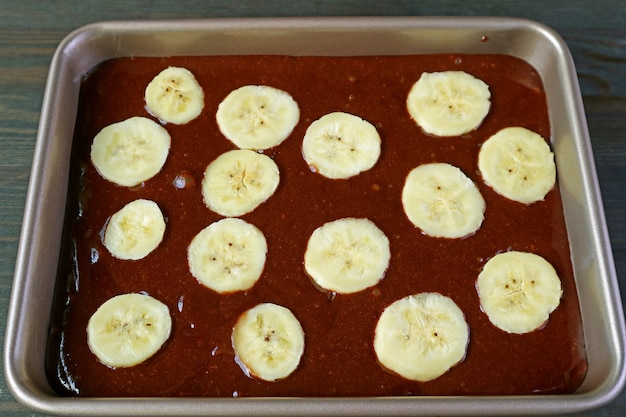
{"x": 38, "y": 256}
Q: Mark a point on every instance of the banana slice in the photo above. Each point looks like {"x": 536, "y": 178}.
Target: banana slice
{"x": 347, "y": 255}
{"x": 238, "y": 181}
{"x": 228, "y": 255}
{"x": 442, "y": 201}
{"x": 135, "y": 230}
{"x": 268, "y": 341}
{"x": 518, "y": 291}
{"x": 518, "y": 164}
{"x": 131, "y": 151}
{"x": 448, "y": 103}
{"x": 257, "y": 116}
{"x": 174, "y": 96}
{"x": 341, "y": 145}
{"x": 128, "y": 329}
{"x": 422, "y": 336}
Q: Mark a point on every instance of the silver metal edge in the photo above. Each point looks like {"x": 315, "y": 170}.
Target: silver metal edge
{"x": 601, "y": 247}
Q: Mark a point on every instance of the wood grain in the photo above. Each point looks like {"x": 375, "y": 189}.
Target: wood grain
{"x": 30, "y": 30}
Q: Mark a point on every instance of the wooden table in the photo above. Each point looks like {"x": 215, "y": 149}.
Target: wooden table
{"x": 31, "y": 29}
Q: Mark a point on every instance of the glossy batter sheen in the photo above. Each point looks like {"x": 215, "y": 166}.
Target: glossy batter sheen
{"x": 339, "y": 359}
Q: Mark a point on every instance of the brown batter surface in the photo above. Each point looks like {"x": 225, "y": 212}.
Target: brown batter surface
{"x": 339, "y": 360}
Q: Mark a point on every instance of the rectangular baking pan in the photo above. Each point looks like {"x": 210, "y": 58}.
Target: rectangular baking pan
{"x": 38, "y": 255}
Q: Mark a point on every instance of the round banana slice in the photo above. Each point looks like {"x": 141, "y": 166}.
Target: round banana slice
{"x": 128, "y": 329}
{"x": 422, "y": 336}
{"x": 341, "y": 145}
{"x": 442, "y": 201}
{"x": 257, "y": 116}
{"x": 130, "y": 152}
{"x": 448, "y": 103}
{"x": 518, "y": 164}
{"x": 174, "y": 96}
{"x": 268, "y": 341}
{"x": 135, "y": 230}
{"x": 518, "y": 291}
{"x": 238, "y": 181}
{"x": 228, "y": 255}
{"x": 347, "y": 255}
